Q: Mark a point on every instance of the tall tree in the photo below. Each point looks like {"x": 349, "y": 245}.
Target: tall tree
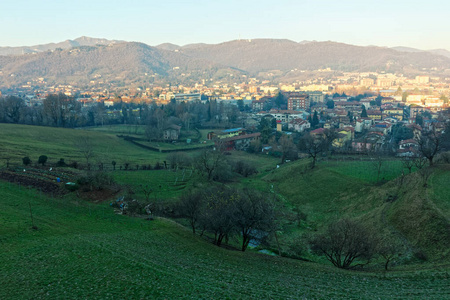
{"x": 191, "y": 206}
{"x": 363, "y": 112}
{"x": 287, "y": 147}
{"x": 13, "y": 108}
{"x": 315, "y": 120}
{"x": 429, "y": 145}
{"x": 313, "y": 146}
{"x": 86, "y": 147}
{"x": 254, "y": 214}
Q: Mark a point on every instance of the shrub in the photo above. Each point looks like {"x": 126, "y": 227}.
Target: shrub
{"x": 42, "y": 159}
{"x": 61, "y": 163}
{"x": 73, "y": 164}
{"x": 26, "y": 160}
{"x": 244, "y": 168}
{"x": 96, "y": 181}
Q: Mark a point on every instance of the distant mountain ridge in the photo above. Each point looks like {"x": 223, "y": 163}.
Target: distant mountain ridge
{"x": 119, "y": 63}
{"x": 67, "y": 44}
{"x": 86, "y": 60}
{"x": 442, "y": 52}
{"x": 263, "y": 55}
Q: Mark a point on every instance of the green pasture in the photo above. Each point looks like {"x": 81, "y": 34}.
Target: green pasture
{"x": 366, "y": 170}
{"x": 440, "y": 191}
{"x": 18, "y": 141}
{"x": 84, "y": 250}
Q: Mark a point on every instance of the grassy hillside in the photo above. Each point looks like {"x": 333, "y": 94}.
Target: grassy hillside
{"x": 82, "y": 250}
{"x": 85, "y": 250}
{"x": 22, "y": 140}
{"x": 417, "y": 215}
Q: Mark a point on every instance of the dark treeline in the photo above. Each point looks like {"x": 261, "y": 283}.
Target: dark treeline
{"x": 59, "y": 110}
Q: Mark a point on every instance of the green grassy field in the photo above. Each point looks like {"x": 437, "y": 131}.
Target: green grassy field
{"x": 83, "y": 250}
{"x": 440, "y": 192}
{"x": 22, "y": 140}
{"x": 366, "y": 170}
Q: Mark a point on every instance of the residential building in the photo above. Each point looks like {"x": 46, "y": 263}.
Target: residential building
{"x": 298, "y": 125}
{"x": 367, "y": 82}
{"x": 171, "y": 132}
{"x": 187, "y": 97}
{"x": 297, "y": 101}
{"x": 316, "y": 96}
{"x": 374, "y": 114}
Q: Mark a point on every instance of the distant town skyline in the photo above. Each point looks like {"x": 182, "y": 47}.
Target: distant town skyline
{"x": 415, "y": 24}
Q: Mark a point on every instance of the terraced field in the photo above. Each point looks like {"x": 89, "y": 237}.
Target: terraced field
{"x": 165, "y": 184}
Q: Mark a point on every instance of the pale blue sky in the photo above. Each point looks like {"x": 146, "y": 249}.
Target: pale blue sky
{"x": 418, "y": 24}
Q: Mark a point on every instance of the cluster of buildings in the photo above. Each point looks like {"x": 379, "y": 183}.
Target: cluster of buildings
{"x": 362, "y": 124}
{"x": 330, "y": 100}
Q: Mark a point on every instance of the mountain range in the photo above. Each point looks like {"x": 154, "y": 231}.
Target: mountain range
{"x": 85, "y": 59}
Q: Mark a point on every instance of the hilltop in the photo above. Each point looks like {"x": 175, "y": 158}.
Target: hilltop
{"x": 67, "y": 44}
{"x": 117, "y": 62}
{"x": 262, "y": 55}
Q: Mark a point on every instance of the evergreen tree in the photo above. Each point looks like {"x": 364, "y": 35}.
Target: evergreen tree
{"x": 315, "y": 120}
{"x": 330, "y": 104}
{"x": 350, "y": 116}
{"x": 364, "y": 112}
{"x": 419, "y": 120}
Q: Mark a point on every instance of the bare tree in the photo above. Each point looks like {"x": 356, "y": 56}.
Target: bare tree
{"x": 86, "y": 147}
{"x": 287, "y": 148}
{"x": 254, "y": 214}
{"x": 419, "y": 162}
{"x": 408, "y": 163}
{"x": 344, "y": 242}
{"x": 389, "y": 248}
{"x": 13, "y": 108}
{"x": 377, "y": 164}
{"x": 218, "y": 216}
{"x": 208, "y": 162}
{"x": 179, "y": 159}
{"x": 61, "y": 110}
{"x": 147, "y": 190}
{"x": 425, "y": 174}
{"x": 313, "y": 146}
{"x": 429, "y": 145}
{"x": 191, "y": 207}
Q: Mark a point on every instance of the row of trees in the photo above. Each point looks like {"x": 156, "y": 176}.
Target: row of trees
{"x": 60, "y": 110}
{"x": 56, "y": 110}
{"x": 223, "y": 212}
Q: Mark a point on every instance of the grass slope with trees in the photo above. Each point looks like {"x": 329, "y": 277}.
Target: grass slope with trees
{"x": 75, "y": 247}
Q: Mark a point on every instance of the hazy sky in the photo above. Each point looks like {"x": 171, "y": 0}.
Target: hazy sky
{"x": 418, "y": 24}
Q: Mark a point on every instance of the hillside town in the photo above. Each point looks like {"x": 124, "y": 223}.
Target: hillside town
{"x": 367, "y": 111}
